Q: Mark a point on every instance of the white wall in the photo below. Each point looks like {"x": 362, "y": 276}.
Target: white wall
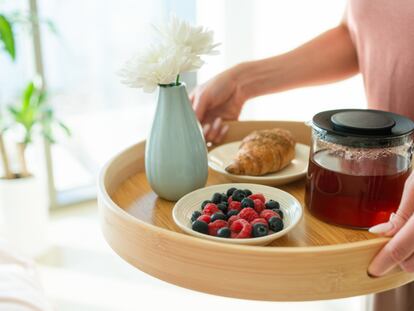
{"x": 254, "y": 29}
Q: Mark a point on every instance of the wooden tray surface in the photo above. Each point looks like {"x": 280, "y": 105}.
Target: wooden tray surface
{"x": 314, "y": 261}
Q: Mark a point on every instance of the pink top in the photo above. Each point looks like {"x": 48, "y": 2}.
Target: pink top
{"x": 383, "y": 34}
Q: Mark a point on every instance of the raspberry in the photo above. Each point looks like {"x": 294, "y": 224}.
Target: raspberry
{"x": 229, "y": 200}
{"x": 248, "y": 213}
{"x": 214, "y": 226}
{"x": 205, "y": 218}
{"x": 210, "y": 209}
{"x": 241, "y": 229}
{"x": 258, "y": 196}
{"x": 234, "y": 205}
{"x": 233, "y": 219}
{"x": 259, "y": 221}
{"x": 258, "y": 205}
{"x": 267, "y": 214}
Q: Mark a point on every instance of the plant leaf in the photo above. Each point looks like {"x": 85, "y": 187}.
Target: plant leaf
{"x": 7, "y": 36}
{"x": 67, "y": 131}
{"x": 27, "y": 95}
{"x": 52, "y": 27}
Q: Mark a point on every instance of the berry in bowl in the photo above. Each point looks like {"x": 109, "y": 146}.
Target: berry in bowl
{"x": 248, "y": 214}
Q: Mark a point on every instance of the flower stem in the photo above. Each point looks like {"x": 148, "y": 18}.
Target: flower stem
{"x": 177, "y": 81}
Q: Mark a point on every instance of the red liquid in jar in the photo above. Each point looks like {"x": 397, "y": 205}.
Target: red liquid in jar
{"x": 354, "y": 193}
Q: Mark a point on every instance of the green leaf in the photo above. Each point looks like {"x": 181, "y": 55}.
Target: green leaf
{"x": 7, "y": 37}
{"x": 13, "y": 111}
{"x": 52, "y": 27}
{"x": 27, "y": 95}
{"x": 63, "y": 126}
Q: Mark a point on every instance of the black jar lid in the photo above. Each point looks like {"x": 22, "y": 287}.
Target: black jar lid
{"x": 363, "y": 124}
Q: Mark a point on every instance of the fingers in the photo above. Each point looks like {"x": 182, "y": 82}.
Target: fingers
{"x": 408, "y": 265}
{"x": 215, "y": 132}
{"x": 404, "y": 212}
{"x": 398, "y": 251}
{"x": 200, "y": 104}
{"x": 406, "y": 208}
{"x": 221, "y": 135}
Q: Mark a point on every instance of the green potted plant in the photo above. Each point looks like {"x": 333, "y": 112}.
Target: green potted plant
{"x": 23, "y": 196}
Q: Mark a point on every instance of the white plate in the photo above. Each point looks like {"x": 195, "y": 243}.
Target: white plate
{"x": 183, "y": 209}
{"x": 220, "y": 157}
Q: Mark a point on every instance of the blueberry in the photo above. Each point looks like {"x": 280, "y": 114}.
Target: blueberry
{"x": 223, "y": 232}
{"x": 216, "y": 198}
{"x": 232, "y": 213}
{"x": 247, "y": 202}
{"x": 279, "y": 211}
{"x": 195, "y": 215}
{"x": 271, "y": 204}
{"x": 275, "y": 224}
{"x": 205, "y": 203}
{"x": 222, "y": 207}
{"x": 238, "y": 195}
{"x": 224, "y": 197}
{"x": 218, "y": 215}
{"x": 247, "y": 192}
{"x": 259, "y": 230}
{"x": 230, "y": 191}
{"x": 200, "y": 226}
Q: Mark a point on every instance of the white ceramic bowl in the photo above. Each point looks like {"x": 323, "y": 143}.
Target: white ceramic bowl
{"x": 220, "y": 157}
{"x": 191, "y": 202}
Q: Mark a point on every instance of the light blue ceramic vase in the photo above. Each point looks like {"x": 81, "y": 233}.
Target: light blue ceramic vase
{"x": 176, "y": 153}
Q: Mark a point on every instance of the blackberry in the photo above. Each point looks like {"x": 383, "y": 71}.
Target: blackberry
{"x": 222, "y": 207}
{"x": 271, "y": 204}
{"x": 279, "y": 212}
{"x": 200, "y": 226}
{"x": 218, "y": 215}
{"x": 216, "y": 199}
{"x": 195, "y": 215}
{"x": 230, "y": 191}
{"x": 275, "y": 224}
{"x": 259, "y": 230}
{"x": 232, "y": 213}
{"x": 238, "y": 195}
{"x": 246, "y": 202}
{"x": 224, "y": 232}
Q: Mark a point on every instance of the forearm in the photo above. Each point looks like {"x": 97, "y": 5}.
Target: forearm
{"x": 328, "y": 58}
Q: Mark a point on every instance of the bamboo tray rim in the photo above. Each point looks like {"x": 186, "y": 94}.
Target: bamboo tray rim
{"x": 246, "y": 248}
{"x": 275, "y": 273}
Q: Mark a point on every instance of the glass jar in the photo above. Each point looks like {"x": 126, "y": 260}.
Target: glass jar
{"x": 358, "y": 165}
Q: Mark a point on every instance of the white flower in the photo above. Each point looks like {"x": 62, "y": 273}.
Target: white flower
{"x": 158, "y": 64}
{"x": 179, "y": 50}
{"x": 195, "y": 40}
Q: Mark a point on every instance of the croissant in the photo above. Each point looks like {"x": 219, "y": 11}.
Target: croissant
{"x": 263, "y": 152}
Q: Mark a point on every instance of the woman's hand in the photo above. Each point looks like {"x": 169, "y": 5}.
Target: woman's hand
{"x": 327, "y": 58}
{"x": 218, "y": 99}
{"x": 399, "y": 251}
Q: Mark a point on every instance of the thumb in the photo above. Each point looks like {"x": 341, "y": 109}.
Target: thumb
{"x": 404, "y": 212}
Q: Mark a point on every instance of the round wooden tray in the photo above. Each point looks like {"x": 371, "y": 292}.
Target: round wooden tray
{"x": 314, "y": 261}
